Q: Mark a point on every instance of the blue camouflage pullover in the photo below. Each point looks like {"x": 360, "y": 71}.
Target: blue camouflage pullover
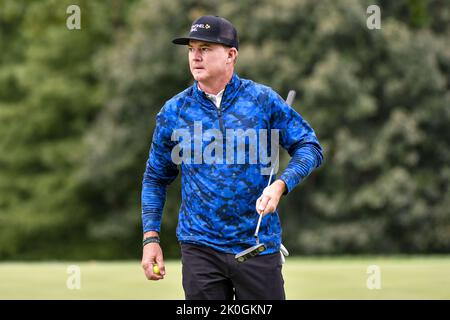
{"x": 219, "y": 195}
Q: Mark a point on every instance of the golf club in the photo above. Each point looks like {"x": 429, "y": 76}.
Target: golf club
{"x": 260, "y": 247}
{"x": 284, "y": 253}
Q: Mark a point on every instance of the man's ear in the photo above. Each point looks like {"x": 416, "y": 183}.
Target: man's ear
{"x": 232, "y": 55}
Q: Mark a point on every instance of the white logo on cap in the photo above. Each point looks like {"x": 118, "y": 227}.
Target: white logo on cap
{"x": 200, "y": 26}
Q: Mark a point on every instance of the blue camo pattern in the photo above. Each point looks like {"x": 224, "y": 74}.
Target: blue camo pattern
{"x": 218, "y": 199}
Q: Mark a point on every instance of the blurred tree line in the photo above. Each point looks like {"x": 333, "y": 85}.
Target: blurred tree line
{"x": 77, "y": 112}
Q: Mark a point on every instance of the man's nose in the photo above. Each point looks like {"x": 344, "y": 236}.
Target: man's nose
{"x": 197, "y": 55}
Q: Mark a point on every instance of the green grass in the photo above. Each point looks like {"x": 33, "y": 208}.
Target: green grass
{"x": 419, "y": 277}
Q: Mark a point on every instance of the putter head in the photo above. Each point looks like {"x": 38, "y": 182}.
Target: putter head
{"x": 250, "y": 252}
{"x": 284, "y": 250}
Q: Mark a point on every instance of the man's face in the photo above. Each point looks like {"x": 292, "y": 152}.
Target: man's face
{"x": 207, "y": 60}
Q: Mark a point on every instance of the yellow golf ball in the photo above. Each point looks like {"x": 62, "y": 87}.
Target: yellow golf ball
{"x": 155, "y": 269}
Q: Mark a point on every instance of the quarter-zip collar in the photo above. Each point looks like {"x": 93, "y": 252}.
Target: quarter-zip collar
{"x": 216, "y": 98}
{"x": 230, "y": 92}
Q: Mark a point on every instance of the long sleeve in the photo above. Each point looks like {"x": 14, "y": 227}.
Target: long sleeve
{"x": 160, "y": 171}
{"x": 299, "y": 139}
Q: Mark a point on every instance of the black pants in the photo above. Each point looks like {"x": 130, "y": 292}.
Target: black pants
{"x": 212, "y": 275}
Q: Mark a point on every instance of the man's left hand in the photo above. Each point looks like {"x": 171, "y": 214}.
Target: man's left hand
{"x": 268, "y": 201}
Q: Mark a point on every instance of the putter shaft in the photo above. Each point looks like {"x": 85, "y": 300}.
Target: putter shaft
{"x": 260, "y": 216}
{"x": 290, "y": 98}
{"x": 258, "y": 248}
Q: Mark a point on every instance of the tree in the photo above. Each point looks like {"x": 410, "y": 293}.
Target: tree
{"x": 50, "y": 93}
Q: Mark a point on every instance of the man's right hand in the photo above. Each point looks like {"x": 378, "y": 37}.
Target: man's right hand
{"x": 152, "y": 254}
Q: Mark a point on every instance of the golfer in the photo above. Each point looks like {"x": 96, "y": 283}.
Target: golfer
{"x": 223, "y": 188}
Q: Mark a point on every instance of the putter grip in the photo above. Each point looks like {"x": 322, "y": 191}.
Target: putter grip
{"x": 290, "y": 98}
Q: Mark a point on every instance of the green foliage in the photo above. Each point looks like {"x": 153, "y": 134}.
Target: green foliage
{"x": 50, "y": 95}
{"x": 77, "y": 112}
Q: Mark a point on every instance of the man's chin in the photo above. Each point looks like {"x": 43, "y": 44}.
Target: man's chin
{"x": 199, "y": 75}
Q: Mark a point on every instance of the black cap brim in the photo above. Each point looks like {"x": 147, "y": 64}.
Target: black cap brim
{"x": 185, "y": 40}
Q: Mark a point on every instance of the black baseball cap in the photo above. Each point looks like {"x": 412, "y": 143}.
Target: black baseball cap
{"x": 213, "y": 29}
